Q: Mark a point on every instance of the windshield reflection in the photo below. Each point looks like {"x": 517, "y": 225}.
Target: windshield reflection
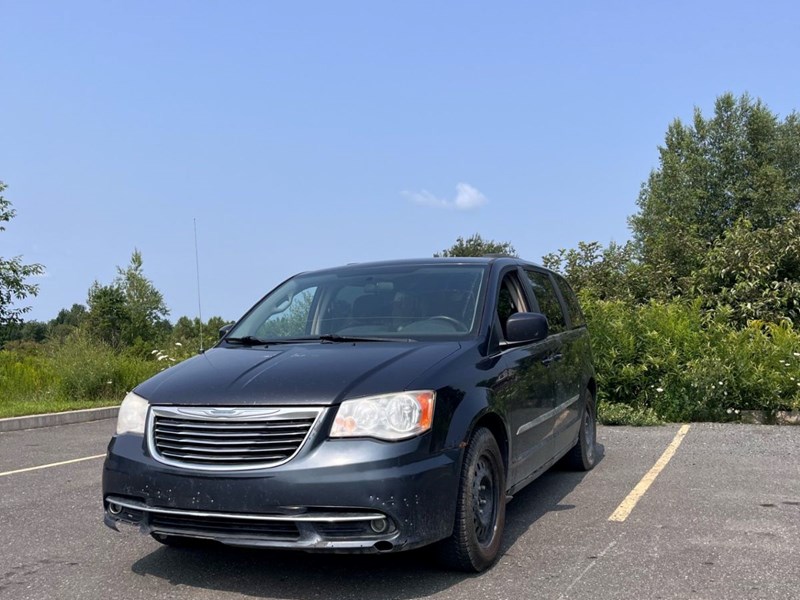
{"x": 409, "y": 302}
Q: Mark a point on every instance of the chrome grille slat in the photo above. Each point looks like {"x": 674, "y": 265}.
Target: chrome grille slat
{"x": 227, "y": 434}
{"x": 222, "y": 438}
{"x": 194, "y": 458}
{"x": 215, "y": 426}
{"x": 226, "y": 450}
{"x": 228, "y": 442}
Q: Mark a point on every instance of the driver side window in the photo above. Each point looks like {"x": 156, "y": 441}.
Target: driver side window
{"x": 509, "y": 300}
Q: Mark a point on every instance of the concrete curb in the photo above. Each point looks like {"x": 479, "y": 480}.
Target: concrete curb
{"x": 761, "y": 417}
{"x": 62, "y": 418}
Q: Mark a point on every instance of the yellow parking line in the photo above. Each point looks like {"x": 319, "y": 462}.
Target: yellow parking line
{"x": 627, "y": 505}
{"x": 58, "y": 464}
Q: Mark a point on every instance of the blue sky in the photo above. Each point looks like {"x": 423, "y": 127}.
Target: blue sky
{"x": 302, "y": 135}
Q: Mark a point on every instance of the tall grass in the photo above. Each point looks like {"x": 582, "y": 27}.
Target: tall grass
{"x": 78, "y": 373}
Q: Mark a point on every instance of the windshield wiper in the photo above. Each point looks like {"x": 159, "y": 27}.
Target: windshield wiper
{"x": 335, "y": 337}
{"x": 251, "y": 340}
{"x": 247, "y": 340}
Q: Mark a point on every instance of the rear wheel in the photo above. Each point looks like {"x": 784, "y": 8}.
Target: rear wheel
{"x": 480, "y": 509}
{"x": 583, "y": 455}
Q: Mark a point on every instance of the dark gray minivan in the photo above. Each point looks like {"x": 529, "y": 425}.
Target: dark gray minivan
{"x": 367, "y": 408}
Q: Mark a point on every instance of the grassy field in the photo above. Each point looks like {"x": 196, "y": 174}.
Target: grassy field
{"x": 80, "y": 374}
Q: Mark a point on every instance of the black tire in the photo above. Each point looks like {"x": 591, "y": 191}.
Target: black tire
{"x": 177, "y": 541}
{"x": 583, "y": 455}
{"x": 480, "y": 508}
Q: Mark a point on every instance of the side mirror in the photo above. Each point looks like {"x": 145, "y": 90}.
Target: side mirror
{"x": 526, "y": 327}
{"x": 223, "y": 331}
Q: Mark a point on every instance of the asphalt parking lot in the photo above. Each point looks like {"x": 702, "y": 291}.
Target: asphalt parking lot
{"x": 720, "y": 520}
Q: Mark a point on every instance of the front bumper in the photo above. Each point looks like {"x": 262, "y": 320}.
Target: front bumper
{"x": 335, "y": 495}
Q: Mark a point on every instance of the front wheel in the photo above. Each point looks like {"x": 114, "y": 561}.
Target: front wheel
{"x": 583, "y": 456}
{"x": 480, "y": 509}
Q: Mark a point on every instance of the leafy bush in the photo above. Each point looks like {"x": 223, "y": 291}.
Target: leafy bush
{"x": 670, "y": 357}
{"x": 622, "y": 414}
{"x": 609, "y": 273}
{"x": 753, "y": 273}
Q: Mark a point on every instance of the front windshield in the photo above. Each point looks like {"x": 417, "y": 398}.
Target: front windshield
{"x": 415, "y": 301}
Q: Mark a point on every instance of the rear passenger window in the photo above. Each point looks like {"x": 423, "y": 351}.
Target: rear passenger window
{"x": 548, "y": 301}
{"x": 573, "y": 307}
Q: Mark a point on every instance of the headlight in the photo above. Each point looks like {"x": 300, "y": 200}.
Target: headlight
{"x": 132, "y": 414}
{"x": 387, "y": 417}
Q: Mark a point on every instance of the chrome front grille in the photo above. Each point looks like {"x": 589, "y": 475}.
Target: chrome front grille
{"x": 225, "y": 439}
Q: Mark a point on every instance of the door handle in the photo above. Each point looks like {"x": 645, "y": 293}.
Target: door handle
{"x": 552, "y": 358}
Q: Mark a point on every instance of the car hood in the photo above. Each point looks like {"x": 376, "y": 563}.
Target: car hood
{"x": 307, "y": 373}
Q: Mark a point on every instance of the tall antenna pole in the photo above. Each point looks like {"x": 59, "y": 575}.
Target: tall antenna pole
{"x": 197, "y": 267}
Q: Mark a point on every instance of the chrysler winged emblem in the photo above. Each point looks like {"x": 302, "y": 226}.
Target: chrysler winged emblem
{"x": 229, "y": 412}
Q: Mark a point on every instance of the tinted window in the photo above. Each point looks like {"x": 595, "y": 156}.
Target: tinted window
{"x": 573, "y": 307}
{"x": 548, "y": 300}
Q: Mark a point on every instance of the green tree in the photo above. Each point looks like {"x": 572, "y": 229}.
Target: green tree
{"x": 144, "y": 304}
{"x": 604, "y": 273}
{"x": 67, "y": 321}
{"x": 28, "y": 331}
{"x": 475, "y": 245}
{"x": 186, "y": 334}
{"x": 13, "y": 273}
{"x": 130, "y": 312}
{"x": 109, "y": 318}
{"x": 74, "y": 316}
{"x": 753, "y": 274}
{"x": 741, "y": 163}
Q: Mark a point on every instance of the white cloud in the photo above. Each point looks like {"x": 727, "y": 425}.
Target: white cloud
{"x": 467, "y": 198}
